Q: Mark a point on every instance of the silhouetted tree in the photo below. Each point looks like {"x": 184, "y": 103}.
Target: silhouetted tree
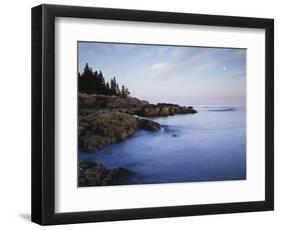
{"x": 127, "y": 93}
{"x": 94, "y": 82}
{"x": 101, "y": 89}
{"x": 107, "y": 89}
{"x": 124, "y": 91}
{"x": 113, "y": 86}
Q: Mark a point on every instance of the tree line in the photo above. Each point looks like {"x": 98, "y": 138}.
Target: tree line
{"x": 90, "y": 82}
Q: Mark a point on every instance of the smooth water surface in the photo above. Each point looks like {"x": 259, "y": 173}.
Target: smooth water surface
{"x": 207, "y": 146}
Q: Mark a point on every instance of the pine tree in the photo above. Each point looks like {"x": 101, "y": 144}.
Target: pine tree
{"x": 107, "y": 89}
{"x": 93, "y": 82}
{"x": 101, "y": 83}
{"x": 127, "y": 92}
{"x": 113, "y": 86}
{"x": 118, "y": 92}
{"x": 123, "y": 91}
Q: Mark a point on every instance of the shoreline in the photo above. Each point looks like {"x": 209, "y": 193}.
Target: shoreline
{"x": 105, "y": 120}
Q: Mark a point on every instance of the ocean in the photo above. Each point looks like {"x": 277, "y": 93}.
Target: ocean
{"x": 207, "y": 146}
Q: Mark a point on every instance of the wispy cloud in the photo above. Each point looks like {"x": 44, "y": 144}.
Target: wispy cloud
{"x": 158, "y": 69}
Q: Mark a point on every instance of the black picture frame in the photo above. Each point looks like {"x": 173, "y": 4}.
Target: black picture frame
{"x": 43, "y": 110}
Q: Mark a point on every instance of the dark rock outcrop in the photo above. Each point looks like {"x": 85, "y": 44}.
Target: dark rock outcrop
{"x": 94, "y": 174}
{"x": 148, "y": 125}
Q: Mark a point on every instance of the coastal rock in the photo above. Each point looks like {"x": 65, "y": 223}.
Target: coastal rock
{"x": 94, "y": 174}
{"x": 150, "y": 111}
{"x": 167, "y": 110}
{"x": 186, "y": 110}
{"x": 148, "y": 125}
{"x": 130, "y": 105}
{"x": 164, "y": 111}
{"x": 124, "y": 104}
{"x": 101, "y": 128}
{"x": 105, "y": 119}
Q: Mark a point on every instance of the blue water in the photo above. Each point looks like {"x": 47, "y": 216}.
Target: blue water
{"x": 207, "y": 146}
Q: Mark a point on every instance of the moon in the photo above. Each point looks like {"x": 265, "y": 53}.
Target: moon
{"x": 224, "y": 68}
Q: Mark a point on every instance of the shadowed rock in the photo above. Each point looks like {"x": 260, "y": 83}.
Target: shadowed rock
{"x": 94, "y": 174}
{"x": 148, "y": 125}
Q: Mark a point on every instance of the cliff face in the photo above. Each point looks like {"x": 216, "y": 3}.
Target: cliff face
{"x": 107, "y": 119}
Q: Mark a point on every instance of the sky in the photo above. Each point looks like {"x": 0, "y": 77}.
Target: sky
{"x": 172, "y": 74}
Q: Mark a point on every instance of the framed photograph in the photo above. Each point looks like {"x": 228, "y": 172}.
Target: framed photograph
{"x": 142, "y": 114}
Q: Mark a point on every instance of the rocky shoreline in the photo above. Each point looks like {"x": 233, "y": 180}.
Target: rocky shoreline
{"x": 94, "y": 174}
{"x": 106, "y": 120}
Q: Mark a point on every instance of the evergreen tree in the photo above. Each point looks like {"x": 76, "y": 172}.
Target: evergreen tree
{"x": 123, "y": 91}
{"x": 93, "y": 82}
{"x": 127, "y": 92}
{"x": 118, "y": 92}
{"x": 107, "y": 89}
{"x": 113, "y": 86}
{"x": 101, "y": 83}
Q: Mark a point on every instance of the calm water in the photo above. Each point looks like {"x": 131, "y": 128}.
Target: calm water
{"x": 207, "y": 146}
